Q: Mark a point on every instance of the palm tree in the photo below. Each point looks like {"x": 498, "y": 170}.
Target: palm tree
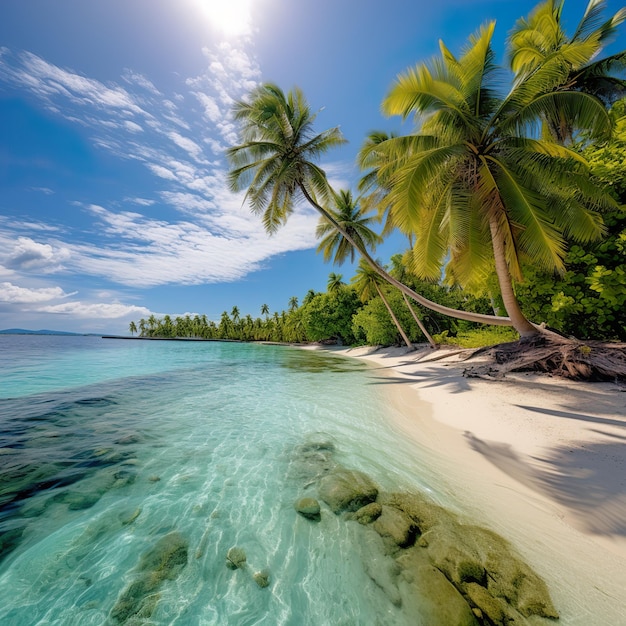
{"x": 348, "y": 214}
{"x": 539, "y": 42}
{"x": 132, "y": 327}
{"x": 334, "y": 282}
{"x": 399, "y": 271}
{"x": 293, "y": 303}
{"x": 475, "y": 189}
{"x": 367, "y": 281}
{"x": 275, "y": 165}
{"x": 265, "y": 310}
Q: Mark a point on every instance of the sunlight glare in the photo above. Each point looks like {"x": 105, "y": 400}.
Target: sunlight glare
{"x": 233, "y": 17}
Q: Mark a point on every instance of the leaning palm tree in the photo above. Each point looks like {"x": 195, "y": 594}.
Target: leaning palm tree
{"x": 336, "y": 246}
{"x": 355, "y": 222}
{"x": 366, "y": 281}
{"x": 275, "y": 165}
{"x": 539, "y": 43}
{"x": 478, "y": 189}
{"x": 335, "y": 282}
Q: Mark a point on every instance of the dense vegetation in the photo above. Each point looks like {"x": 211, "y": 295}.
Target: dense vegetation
{"x": 512, "y": 200}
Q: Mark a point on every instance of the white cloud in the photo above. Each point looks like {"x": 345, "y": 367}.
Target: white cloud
{"x": 133, "y": 127}
{"x": 29, "y": 255}
{"x": 140, "y": 201}
{"x": 134, "y": 78}
{"x": 186, "y": 144}
{"x": 25, "y": 295}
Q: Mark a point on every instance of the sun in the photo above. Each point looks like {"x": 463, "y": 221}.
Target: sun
{"x": 232, "y": 17}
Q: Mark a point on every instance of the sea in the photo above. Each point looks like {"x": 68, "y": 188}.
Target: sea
{"x": 130, "y": 468}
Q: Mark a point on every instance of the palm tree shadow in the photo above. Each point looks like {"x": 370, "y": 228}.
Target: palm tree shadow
{"x": 589, "y": 481}
{"x": 426, "y": 378}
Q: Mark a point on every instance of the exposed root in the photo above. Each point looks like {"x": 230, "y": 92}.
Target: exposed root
{"x": 570, "y": 358}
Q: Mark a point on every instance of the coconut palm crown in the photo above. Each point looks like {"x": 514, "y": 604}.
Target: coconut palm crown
{"x": 348, "y": 214}
{"x": 276, "y": 161}
{"x": 540, "y": 41}
{"x": 475, "y": 184}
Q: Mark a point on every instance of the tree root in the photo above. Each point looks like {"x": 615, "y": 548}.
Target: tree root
{"x": 559, "y": 356}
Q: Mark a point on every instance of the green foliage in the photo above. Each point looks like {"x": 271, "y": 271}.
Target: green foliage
{"x": 329, "y": 315}
{"x": 589, "y": 299}
{"x": 373, "y": 324}
{"x": 478, "y": 337}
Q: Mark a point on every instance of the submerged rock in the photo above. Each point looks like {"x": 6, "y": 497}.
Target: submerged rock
{"x": 262, "y": 578}
{"x": 347, "y": 490}
{"x": 235, "y": 558}
{"x": 164, "y": 561}
{"x": 382, "y": 569}
{"x": 309, "y": 508}
{"x": 129, "y": 516}
{"x": 9, "y": 540}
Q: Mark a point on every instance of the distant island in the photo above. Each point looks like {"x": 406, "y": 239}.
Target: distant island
{"x": 23, "y": 331}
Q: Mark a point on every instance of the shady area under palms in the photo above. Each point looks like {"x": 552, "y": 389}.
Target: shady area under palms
{"x": 477, "y": 187}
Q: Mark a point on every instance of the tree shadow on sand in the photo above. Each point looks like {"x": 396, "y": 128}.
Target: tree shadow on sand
{"x": 588, "y": 480}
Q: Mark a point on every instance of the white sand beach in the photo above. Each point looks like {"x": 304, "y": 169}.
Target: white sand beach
{"x": 540, "y": 460}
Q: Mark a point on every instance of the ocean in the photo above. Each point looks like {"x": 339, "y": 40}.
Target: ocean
{"x": 129, "y": 469}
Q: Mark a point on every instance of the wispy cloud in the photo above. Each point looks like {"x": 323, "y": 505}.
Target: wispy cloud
{"x": 204, "y": 234}
{"x": 97, "y": 310}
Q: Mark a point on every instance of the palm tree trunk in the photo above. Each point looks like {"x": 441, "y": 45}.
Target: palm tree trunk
{"x": 393, "y": 317}
{"x": 431, "y": 341}
{"x": 518, "y": 319}
{"x": 429, "y": 304}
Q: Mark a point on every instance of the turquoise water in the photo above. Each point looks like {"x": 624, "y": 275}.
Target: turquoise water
{"x": 108, "y": 446}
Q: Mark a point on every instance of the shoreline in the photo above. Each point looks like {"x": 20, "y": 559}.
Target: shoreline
{"x": 539, "y": 460}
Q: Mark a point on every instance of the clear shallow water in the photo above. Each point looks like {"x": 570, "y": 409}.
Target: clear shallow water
{"x": 108, "y": 446}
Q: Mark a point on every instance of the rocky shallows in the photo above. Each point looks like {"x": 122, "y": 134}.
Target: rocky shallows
{"x": 428, "y": 562}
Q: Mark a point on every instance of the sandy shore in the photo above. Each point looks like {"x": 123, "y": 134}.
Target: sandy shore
{"x": 540, "y": 460}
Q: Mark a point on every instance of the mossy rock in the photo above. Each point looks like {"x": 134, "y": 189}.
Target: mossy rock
{"x": 309, "y": 508}
{"x": 262, "y": 578}
{"x": 347, "y": 490}
{"x": 423, "y": 511}
{"x": 164, "y": 561}
{"x": 451, "y": 551}
{"x": 396, "y": 526}
{"x": 235, "y": 558}
{"x": 426, "y": 592}
{"x": 469, "y": 554}
{"x": 367, "y": 514}
{"x": 496, "y": 610}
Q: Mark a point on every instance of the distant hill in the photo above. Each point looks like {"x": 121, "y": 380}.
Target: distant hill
{"x": 22, "y": 331}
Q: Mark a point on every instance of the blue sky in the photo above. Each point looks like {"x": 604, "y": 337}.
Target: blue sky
{"x": 115, "y": 116}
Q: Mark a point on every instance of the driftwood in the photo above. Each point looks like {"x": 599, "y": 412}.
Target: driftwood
{"x": 560, "y": 356}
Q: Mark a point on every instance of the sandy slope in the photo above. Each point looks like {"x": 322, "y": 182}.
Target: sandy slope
{"x": 540, "y": 460}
